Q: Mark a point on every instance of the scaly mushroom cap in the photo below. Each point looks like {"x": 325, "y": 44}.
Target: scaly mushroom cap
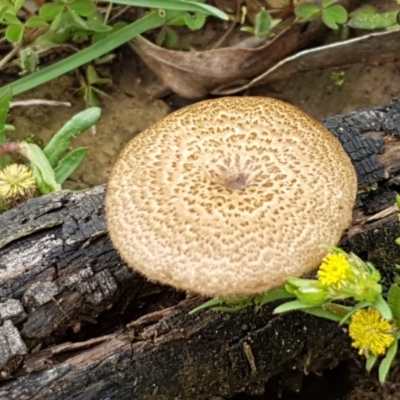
{"x": 228, "y": 197}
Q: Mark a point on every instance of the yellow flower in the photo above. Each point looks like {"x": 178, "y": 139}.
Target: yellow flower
{"x": 371, "y": 333}
{"x": 333, "y": 270}
{"x": 17, "y": 184}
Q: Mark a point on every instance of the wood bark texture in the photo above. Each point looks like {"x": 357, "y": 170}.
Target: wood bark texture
{"x": 77, "y": 323}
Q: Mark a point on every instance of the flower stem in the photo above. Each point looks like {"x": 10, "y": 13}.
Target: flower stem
{"x": 9, "y": 147}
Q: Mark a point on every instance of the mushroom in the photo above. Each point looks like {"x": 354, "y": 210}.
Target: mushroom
{"x": 227, "y": 197}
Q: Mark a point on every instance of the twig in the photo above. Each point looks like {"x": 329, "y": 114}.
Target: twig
{"x": 10, "y": 55}
{"x": 36, "y": 102}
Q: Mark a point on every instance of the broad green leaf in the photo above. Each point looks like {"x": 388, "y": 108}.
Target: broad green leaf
{"x": 84, "y": 8}
{"x": 15, "y": 33}
{"x": 386, "y": 363}
{"x": 59, "y": 143}
{"x": 334, "y": 16}
{"x": 2, "y": 13}
{"x": 371, "y": 360}
{"x": 307, "y": 11}
{"x": 263, "y": 24}
{"x": 370, "y": 21}
{"x": 11, "y": 19}
{"x": 69, "y": 164}
{"x": 18, "y": 4}
{"x": 367, "y": 9}
{"x": 394, "y": 302}
{"x": 383, "y": 307}
{"x": 104, "y": 46}
{"x": 50, "y": 11}
{"x": 43, "y": 172}
{"x": 36, "y": 22}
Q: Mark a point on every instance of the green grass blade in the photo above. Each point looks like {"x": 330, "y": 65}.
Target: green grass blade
{"x": 69, "y": 164}
{"x": 150, "y": 21}
{"x": 5, "y": 100}
{"x": 42, "y": 170}
{"x": 176, "y": 5}
{"x": 59, "y": 143}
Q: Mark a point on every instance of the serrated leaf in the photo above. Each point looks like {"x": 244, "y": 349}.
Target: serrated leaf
{"x": 36, "y": 22}
{"x": 14, "y": 33}
{"x": 307, "y": 11}
{"x": 50, "y": 11}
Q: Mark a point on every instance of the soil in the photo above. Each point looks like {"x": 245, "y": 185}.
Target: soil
{"x": 131, "y": 107}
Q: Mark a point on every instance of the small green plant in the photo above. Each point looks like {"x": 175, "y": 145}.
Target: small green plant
{"x": 50, "y": 167}
{"x": 89, "y": 86}
{"x": 61, "y": 21}
{"x": 333, "y": 15}
{"x": 347, "y": 290}
{"x": 263, "y": 24}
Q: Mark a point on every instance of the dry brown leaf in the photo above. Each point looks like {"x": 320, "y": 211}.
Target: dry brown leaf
{"x": 194, "y": 74}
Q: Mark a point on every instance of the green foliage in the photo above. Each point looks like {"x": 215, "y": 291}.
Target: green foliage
{"x": 333, "y": 15}
{"x": 340, "y": 277}
{"x": 5, "y": 101}
{"x": 263, "y": 25}
{"x": 50, "y": 165}
{"x": 61, "y": 21}
{"x": 368, "y": 18}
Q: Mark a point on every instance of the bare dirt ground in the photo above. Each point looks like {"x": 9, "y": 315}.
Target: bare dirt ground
{"x": 131, "y": 108}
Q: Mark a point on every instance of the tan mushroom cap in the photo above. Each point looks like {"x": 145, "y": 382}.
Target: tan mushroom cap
{"x": 228, "y": 197}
